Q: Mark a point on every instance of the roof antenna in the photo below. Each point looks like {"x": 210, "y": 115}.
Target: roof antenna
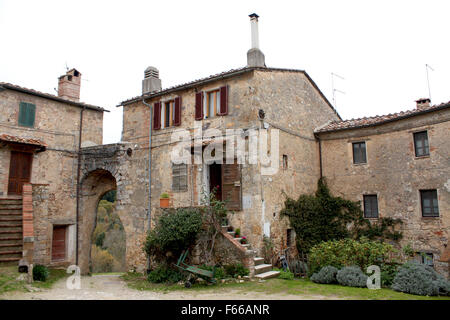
{"x": 333, "y": 89}
{"x": 428, "y": 79}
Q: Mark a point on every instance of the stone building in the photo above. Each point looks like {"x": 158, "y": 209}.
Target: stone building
{"x": 39, "y": 144}
{"x": 398, "y": 166}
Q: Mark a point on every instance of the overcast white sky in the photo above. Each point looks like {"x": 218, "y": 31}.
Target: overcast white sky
{"x": 379, "y": 47}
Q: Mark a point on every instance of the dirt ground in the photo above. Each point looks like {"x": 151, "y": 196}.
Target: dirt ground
{"x": 111, "y": 287}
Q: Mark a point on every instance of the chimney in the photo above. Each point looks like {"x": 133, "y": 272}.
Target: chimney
{"x": 69, "y": 85}
{"x": 423, "y": 103}
{"x": 151, "y": 82}
{"x": 255, "y": 57}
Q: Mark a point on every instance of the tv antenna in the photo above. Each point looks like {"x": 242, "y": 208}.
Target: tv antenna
{"x": 334, "y": 90}
{"x": 427, "y": 66}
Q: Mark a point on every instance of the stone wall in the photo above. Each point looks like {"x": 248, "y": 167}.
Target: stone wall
{"x": 395, "y": 175}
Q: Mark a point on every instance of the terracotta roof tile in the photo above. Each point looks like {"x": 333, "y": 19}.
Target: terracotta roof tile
{"x": 14, "y": 139}
{"x": 49, "y": 96}
{"x": 377, "y": 120}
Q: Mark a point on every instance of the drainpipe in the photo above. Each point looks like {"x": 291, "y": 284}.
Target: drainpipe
{"x": 320, "y": 155}
{"x": 78, "y": 184}
{"x": 149, "y": 172}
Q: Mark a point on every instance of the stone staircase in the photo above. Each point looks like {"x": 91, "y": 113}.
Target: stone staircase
{"x": 11, "y": 236}
{"x": 262, "y": 270}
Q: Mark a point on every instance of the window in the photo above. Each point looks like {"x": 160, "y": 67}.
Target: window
{"x": 427, "y": 259}
{"x": 179, "y": 177}
{"x": 370, "y": 206}
{"x": 429, "y": 203}
{"x": 167, "y": 114}
{"x": 359, "y": 152}
{"x": 421, "y": 144}
{"x": 289, "y": 237}
{"x": 285, "y": 161}
{"x": 26, "y": 114}
{"x": 212, "y": 103}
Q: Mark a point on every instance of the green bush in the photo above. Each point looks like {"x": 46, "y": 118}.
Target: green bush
{"x": 352, "y": 277}
{"x": 165, "y": 274}
{"x": 348, "y": 252}
{"x": 236, "y": 270}
{"x": 416, "y": 278}
{"x": 40, "y": 273}
{"x": 286, "y": 275}
{"x": 175, "y": 231}
{"x": 388, "y": 273}
{"x": 326, "y": 275}
{"x": 298, "y": 267}
{"x": 220, "y": 272}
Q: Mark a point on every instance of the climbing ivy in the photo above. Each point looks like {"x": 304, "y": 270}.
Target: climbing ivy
{"x": 322, "y": 217}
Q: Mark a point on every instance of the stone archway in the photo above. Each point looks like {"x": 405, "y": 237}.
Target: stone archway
{"x": 104, "y": 168}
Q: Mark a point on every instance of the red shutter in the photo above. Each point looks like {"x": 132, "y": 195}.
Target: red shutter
{"x": 157, "y": 116}
{"x": 199, "y": 105}
{"x": 177, "y": 117}
{"x": 223, "y": 101}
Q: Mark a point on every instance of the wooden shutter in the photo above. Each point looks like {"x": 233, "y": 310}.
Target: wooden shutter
{"x": 231, "y": 186}
{"x": 177, "y": 116}
{"x": 199, "y": 105}
{"x": 223, "y": 101}
{"x": 27, "y": 113}
{"x": 179, "y": 177}
{"x": 157, "y": 116}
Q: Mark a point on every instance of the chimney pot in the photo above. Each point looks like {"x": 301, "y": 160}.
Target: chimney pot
{"x": 423, "y": 103}
{"x": 69, "y": 85}
{"x": 255, "y": 57}
{"x": 151, "y": 82}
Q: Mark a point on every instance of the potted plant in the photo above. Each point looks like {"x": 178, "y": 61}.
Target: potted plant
{"x": 164, "y": 200}
{"x": 244, "y": 240}
{"x": 237, "y": 233}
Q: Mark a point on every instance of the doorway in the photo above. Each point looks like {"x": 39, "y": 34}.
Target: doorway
{"x": 19, "y": 171}
{"x": 215, "y": 179}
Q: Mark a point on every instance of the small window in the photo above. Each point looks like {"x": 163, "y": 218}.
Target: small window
{"x": 289, "y": 237}
{"x": 425, "y": 258}
{"x": 370, "y": 206}
{"x": 429, "y": 202}
{"x": 359, "y": 152}
{"x": 285, "y": 161}
{"x": 421, "y": 144}
{"x": 179, "y": 177}
{"x": 167, "y": 114}
{"x": 212, "y": 104}
{"x": 27, "y": 113}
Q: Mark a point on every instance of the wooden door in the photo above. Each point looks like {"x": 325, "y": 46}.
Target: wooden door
{"x": 19, "y": 171}
{"x": 231, "y": 186}
{"x": 59, "y": 243}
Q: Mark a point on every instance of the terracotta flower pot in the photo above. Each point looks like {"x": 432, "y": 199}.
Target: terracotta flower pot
{"x": 164, "y": 203}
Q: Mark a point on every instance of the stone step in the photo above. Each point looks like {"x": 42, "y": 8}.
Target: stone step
{"x": 12, "y": 218}
{"x": 8, "y": 238}
{"x": 11, "y": 235}
{"x": 5, "y": 201}
{"x": 231, "y": 233}
{"x": 9, "y": 259}
{"x": 225, "y": 228}
{"x": 262, "y": 268}
{"x": 11, "y": 254}
{"x": 268, "y": 275}
{"x": 258, "y": 261}
{"x": 10, "y": 229}
{"x": 246, "y": 245}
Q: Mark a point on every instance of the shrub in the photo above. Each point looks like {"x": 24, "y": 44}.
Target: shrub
{"x": 416, "y": 278}
{"x": 348, "y": 252}
{"x": 102, "y": 260}
{"x": 298, "y": 267}
{"x": 40, "y": 273}
{"x": 326, "y": 275}
{"x": 165, "y": 274}
{"x": 351, "y": 277}
{"x": 286, "y": 275}
{"x": 220, "y": 272}
{"x": 164, "y": 195}
{"x": 237, "y": 232}
{"x": 174, "y": 232}
{"x": 235, "y": 270}
{"x": 388, "y": 273}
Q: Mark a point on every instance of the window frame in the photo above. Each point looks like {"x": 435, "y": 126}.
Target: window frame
{"x": 26, "y": 114}
{"x": 365, "y": 151}
{"x": 183, "y": 168}
{"x": 171, "y": 104}
{"x": 216, "y": 106}
{"x": 371, "y": 196}
{"x": 433, "y": 213}
{"x": 425, "y": 147}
